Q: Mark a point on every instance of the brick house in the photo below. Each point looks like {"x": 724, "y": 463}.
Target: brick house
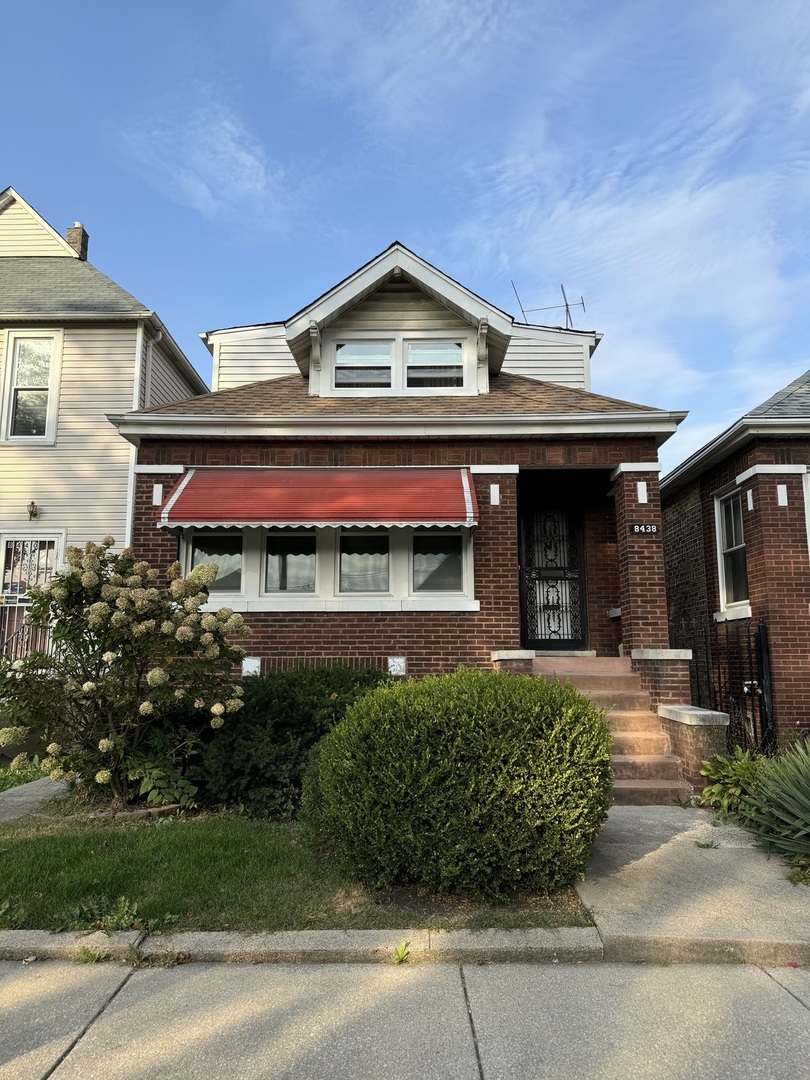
{"x": 401, "y": 473}
{"x": 736, "y": 517}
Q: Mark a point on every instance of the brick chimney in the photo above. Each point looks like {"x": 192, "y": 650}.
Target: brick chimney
{"x": 77, "y": 238}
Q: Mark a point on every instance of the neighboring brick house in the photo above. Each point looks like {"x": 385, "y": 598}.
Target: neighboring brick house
{"x": 736, "y": 517}
{"x": 400, "y": 472}
{"x": 73, "y": 347}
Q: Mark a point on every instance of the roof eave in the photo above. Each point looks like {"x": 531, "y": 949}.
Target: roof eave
{"x": 661, "y": 425}
{"x": 745, "y": 429}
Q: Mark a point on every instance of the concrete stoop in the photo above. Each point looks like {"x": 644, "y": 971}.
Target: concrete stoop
{"x": 645, "y": 773}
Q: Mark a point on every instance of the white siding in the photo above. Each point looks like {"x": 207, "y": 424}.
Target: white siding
{"x": 22, "y": 234}
{"x": 553, "y": 358}
{"x": 80, "y": 483}
{"x": 251, "y": 355}
{"x": 165, "y": 381}
{"x": 400, "y": 306}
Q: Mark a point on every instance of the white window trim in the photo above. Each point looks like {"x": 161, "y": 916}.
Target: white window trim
{"x": 12, "y": 337}
{"x": 398, "y": 339}
{"x": 327, "y": 597}
{"x": 741, "y": 609}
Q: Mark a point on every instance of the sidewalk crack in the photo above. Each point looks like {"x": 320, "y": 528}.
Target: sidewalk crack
{"x": 87, "y": 1026}
{"x": 472, "y": 1022}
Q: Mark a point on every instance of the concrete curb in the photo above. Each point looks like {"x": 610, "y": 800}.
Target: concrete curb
{"x": 627, "y": 948}
{"x": 68, "y": 945}
{"x": 563, "y": 945}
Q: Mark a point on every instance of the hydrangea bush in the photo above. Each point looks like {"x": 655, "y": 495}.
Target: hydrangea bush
{"x": 137, "y": 673}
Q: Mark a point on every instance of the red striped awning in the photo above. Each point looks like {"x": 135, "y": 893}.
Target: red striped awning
{"x": 320, "y": 498}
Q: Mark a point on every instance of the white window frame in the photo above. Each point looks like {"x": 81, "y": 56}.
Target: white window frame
{"x": 738, "y": 609}
{"x": 398, "y": 340}
{"x": 13, "y": 337}
{"x": 400, "y": 596}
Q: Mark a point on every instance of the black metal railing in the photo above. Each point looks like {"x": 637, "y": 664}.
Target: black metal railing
{"x": 731, "y": 672}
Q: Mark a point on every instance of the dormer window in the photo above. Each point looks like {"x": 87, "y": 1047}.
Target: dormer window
{"x": 402, "y": 364}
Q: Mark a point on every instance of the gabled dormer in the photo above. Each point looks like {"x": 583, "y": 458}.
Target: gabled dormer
{"x": 398, "y": 327}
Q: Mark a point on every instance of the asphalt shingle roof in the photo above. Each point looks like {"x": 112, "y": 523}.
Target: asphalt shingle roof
{"x": 791, "y": 402}
{"x": 50, "y": 286}
{"x": 509, "y": 395}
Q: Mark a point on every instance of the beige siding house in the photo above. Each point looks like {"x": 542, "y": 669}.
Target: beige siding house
{"x": 74, "y": 346}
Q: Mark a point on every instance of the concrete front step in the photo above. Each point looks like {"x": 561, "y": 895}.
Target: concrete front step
{"x": 650, "y": 792}
{"x": 640, "y": 742}
{"x": 645, "y": 767}
{"x": 587, "y": 682}
{"x": 634, "y": 720}
{"x": 560, "y": 666}
{"x": 620, "y": 700}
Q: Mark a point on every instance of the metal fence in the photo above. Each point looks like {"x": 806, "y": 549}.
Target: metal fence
{"x": 731, "y": 672}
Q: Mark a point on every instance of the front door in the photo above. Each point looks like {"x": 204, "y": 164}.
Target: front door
{"x": 552, "y": 580}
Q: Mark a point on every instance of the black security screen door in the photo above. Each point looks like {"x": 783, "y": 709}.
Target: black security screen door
{"x": 552, "y": 580}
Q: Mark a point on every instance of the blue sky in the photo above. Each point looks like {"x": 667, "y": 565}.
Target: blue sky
{"x": 233, "y": 160}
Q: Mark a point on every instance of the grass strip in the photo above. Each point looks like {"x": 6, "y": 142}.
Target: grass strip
{"x": 219, "y": 872}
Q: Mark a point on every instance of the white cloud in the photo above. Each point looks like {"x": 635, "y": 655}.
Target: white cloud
{"x": 205, "y": 158}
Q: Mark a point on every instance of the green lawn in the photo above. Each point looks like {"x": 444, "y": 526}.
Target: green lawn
{"x": 217, "y": 872}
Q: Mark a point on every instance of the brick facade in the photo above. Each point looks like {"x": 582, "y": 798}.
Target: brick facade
{"x": 620, "y": 571}
{"x": 778, "y": 566}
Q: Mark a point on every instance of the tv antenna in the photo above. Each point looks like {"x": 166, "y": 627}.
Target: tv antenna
{"x": 567, "y": 305}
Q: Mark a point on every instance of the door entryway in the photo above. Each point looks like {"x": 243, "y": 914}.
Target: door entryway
{"x": 553, "y": 595}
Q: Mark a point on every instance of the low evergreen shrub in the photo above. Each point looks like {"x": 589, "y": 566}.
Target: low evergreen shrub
{"x": 475, "y": 781}
{"x": 778, "y": 807}
{"x": 258, "y": 758}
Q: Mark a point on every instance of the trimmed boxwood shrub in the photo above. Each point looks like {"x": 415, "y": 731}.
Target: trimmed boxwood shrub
{"x": 474, "y": 781}
{"x": 257, "y": 759}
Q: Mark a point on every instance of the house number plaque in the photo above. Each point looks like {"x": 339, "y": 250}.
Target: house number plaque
{"x": 643, "y": 530}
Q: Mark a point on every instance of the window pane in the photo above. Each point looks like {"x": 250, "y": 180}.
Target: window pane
{"x": 27, "y": 563}
{"x": 437, "y": 564}
{"x": 736, "y": 577}
{"x": 362, "y": 376}
{"x": 226, "y": 552}
{"x": 33, "y": 362}
{"x": 364, "y": 563}
{"x": 732, "y": 522}
{"x": 290, "y": 564}
{"x": 29, "y": 412}
{"x": 434, "y": 363}
{"x": 363, "y": 364}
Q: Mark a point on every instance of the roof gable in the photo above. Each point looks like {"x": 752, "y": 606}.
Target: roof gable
{"x": 396, "y": 263}
{"x": 792, "y": 402}
{"x": 24, "y": 232}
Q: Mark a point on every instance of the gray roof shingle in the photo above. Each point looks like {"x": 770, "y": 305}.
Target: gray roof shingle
{"x": 509, "y": 395}
{"x": 51, "y": 286}
{"x": 791, "y": 402}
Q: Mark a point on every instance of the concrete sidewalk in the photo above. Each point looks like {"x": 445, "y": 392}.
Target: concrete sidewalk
{"x": 664, "y": 885}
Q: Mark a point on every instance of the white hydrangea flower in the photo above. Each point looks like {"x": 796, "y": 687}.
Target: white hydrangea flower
{"x": 218, "y": 708}
{"x": 103, "y": 776}
{"x": 234, "y": 704}
{"x": 19, "y": 762}
{"x": 90, "y": 579}
{"x": 88, "y": 687}
{"x": 109, "y": 657}
{"x": 216, "y": 722}
{"x": 146, "y": 708}
{"x": 199, "y": 703}
{"x": 105, "y": 745}
{"x": 157, "y": 677}
{"x": 53, "y": 749}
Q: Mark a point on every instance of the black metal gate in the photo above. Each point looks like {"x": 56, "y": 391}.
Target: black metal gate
{"x": 731, "y": 672}
{"x": 552, "y": 580}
